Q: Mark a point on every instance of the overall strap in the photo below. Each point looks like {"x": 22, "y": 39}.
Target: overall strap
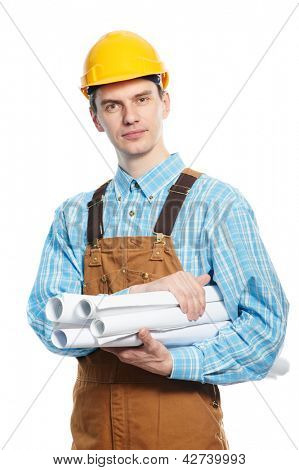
{"x": 95, "y": 227}
{"x": 174, "y": 201}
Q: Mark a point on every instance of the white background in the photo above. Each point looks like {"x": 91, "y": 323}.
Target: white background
{"x": 50, "y": 150}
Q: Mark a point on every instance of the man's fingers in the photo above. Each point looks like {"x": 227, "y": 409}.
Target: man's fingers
{"x": 145, "y": 336}
{"x": 192, "y": 299}
{"x": 203, "y": 279}
{"x": 149, "y": 342}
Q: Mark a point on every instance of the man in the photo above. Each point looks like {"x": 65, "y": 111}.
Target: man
{"x": 156, "y": 225}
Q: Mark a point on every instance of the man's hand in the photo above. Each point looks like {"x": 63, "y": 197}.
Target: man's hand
{"x": 152, "y": 356}
{"x": 187, "y": 288}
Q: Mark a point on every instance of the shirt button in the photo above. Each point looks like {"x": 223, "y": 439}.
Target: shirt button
{"x": 119, "y": 198}
{"x": 136, "y": 185}
{"x": 151, "y": 197}
{"x": 132, "y": 213}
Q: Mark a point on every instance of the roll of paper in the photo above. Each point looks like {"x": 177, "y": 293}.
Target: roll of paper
{"x": 162, "y": 319}
{"x": 83, "y": 338}
{"x": 147, "y": 300}
{"x": 171, "y": 338}
{"x": 71, "y": 308}
{"x": 76, "y": 308}
{"x": 73, "y": 338}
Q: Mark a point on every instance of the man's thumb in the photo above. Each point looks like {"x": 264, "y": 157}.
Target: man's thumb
{"x": 203, "y": 279}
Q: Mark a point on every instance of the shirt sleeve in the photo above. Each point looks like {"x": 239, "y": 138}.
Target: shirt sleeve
{"x": 246, "y": 348}
{"x": 58, "y": 272}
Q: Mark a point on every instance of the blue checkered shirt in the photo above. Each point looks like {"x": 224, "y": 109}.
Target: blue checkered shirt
{"x": 216, "y": 232}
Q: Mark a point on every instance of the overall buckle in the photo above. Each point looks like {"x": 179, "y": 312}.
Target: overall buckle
{"x": 158, "y": 247}
{"x": 95, "y": 253}
{"x": 179, "y": 189}
{"x": 160, "y": 238}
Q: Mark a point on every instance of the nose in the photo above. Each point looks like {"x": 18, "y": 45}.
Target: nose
{"x": 130, "y": 114}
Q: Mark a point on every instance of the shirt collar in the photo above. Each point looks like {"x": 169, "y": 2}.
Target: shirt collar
{"x": 152, "y": 181}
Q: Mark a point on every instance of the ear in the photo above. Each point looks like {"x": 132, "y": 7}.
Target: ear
{"x": 96, "y": 120}
{"x": 166, "y": 104}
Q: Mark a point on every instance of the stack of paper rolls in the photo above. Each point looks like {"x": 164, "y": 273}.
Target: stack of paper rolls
{"x": 84, "y": 321}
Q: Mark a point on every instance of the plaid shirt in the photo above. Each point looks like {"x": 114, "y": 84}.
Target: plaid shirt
{"x": 216, "y": 232}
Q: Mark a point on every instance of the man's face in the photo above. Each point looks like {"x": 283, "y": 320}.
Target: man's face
{"x": 128, "y": 106}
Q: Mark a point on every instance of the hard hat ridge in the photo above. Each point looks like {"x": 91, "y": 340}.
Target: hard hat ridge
{"x": 156, "y": 78}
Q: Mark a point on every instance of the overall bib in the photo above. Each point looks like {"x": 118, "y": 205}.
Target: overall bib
{"x": 120, "y": 406}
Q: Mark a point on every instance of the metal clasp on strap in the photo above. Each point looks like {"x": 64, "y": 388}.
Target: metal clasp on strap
{"x": 185, "y": 189}
{"x": 95, "y": 243}
{"x": 92, "y": 203}
{"x": 158, "y": 247}
{"x": 160, "y": 238}
{"x": 95, "y": 254}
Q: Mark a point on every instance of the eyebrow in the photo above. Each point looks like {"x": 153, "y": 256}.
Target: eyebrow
{"x": 109, "y": 100}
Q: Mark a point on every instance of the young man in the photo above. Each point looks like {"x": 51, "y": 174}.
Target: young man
{"x": 156, "y": 225}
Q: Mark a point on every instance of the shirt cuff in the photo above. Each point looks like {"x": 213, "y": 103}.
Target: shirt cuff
{"x": 186, "y": 363}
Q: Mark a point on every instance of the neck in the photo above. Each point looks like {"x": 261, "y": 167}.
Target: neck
{"x": 137, "y": 165}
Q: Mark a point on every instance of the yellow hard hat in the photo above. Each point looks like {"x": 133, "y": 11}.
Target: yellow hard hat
{"x": 121, "y": 55}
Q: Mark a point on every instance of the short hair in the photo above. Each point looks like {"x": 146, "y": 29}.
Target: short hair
{"x": 91, "y": 90}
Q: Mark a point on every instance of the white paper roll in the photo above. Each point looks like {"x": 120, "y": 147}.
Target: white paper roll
{"x": 146, "y": 300}
{"x": 172, "y": 338}
{"x": 163, "y": 319}
{"x": 82, "y": 338}
{"x": 73, "y": 338}
{"x": 71, "y": 308}
{"x": 76, "y": 308}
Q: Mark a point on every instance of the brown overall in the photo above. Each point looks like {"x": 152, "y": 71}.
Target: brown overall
{"x": 120, "y": 406}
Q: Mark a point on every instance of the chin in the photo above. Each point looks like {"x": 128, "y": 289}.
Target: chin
{"x": 135, "y": 149}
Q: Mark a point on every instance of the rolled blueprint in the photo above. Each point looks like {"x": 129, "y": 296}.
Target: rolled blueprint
{"x": 71, "y": 308}
{"x": 74, "y": 338}
{"x": 280, "y": 367}
{"x": 147, "y": 300}
{"x": 77, "y": 308}
{"x": 162, "y": 319}
{"x": 176, "y": 337}
{"x": 82, "y": 338}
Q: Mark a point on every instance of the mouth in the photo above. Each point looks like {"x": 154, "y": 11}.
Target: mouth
{"x": 134, "y": 135}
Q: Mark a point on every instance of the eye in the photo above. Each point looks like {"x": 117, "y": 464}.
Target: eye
{"x": 144, "y": 98}
{"x": 109, "y": 106}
